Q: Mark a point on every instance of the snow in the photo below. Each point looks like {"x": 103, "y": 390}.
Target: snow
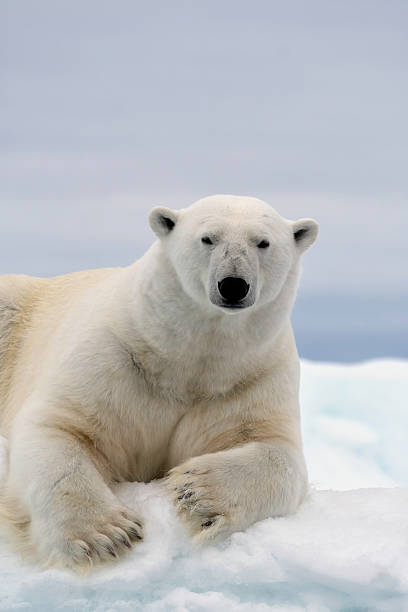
{"x": 354, "y": 423}
{"x": 345, "y": 549}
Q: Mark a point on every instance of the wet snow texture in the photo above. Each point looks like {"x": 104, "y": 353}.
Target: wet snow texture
{"x": 345, "y": 549}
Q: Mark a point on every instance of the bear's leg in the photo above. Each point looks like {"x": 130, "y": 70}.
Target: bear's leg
{"x": 73, "y": 518}
{"x": 226, "y": 491}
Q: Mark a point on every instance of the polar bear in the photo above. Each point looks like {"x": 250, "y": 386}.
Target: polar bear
{"x": 182, "y": 365}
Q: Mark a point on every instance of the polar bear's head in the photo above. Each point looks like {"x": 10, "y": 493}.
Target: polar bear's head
{"x": 230, "y": 252}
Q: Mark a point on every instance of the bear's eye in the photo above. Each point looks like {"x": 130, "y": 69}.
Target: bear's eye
{"x": 206, "y": 240}
{"x": 263, "y": 244}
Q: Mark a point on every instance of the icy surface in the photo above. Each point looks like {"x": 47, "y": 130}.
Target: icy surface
{"x": 355, "y": 421}
{"x": 345, "y": 549}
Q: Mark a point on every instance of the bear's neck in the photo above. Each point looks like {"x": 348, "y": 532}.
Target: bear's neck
{"x": 186, "y": 345}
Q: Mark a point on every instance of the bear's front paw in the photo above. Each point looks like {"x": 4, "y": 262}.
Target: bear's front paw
{"x": 80, "y": 544}
{"x": 202, "y": 499}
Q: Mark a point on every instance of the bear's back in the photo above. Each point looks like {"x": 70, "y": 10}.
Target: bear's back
{"x": 30, "y": 309}
{"x": 15, "y": 294}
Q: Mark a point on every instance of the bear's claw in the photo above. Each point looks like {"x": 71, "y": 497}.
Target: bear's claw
{"x": 98, "y": 543}
{"x": 197, "y": 503}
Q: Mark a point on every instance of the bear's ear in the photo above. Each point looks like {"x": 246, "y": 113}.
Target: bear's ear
{"x": 305, "y": 233}
{"x": 162, "y": 220}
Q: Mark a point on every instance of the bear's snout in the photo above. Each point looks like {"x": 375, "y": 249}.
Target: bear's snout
{"x": 233, "y": 289}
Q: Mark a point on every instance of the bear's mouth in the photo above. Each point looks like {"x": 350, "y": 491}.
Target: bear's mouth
{"x": 232, "y": 306}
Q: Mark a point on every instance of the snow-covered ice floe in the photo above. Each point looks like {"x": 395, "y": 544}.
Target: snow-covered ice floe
{"x": 345, "y": 549}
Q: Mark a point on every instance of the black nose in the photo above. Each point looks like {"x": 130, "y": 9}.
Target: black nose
{"x": 233, "y": 289}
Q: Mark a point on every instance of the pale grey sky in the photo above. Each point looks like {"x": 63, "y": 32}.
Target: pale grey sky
{"x": 111, "y": 107}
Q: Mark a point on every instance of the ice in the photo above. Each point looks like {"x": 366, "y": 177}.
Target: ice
{"x": 355, "y": 423}
{"x": 345, "y": 549}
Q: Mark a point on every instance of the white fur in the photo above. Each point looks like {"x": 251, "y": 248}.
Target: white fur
{"x": 135, "y": 373}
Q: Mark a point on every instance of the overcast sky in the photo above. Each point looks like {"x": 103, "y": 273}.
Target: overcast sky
{"x": 111, "y": 107}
